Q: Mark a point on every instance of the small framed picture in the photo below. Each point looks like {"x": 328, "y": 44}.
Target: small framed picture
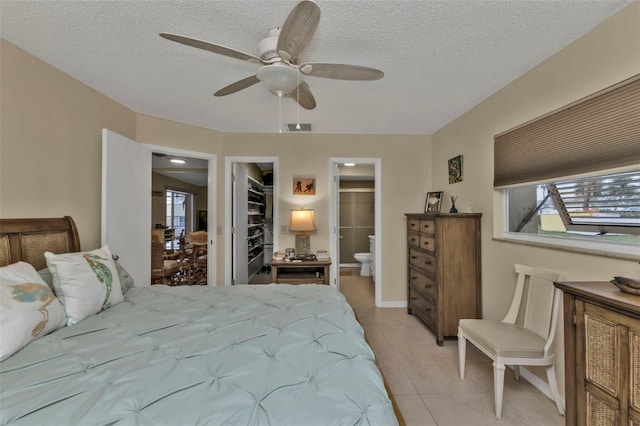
{"x": 455, "y": 169}
{"x": 202, "y": 220}
{"x": 304, "y": 186}
{"x": 433, "y": 202}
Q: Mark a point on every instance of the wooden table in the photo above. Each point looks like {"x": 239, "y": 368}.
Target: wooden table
{"x": 300, "y": 272}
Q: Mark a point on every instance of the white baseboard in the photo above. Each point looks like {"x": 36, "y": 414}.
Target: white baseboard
{"x": 394, "y": 304}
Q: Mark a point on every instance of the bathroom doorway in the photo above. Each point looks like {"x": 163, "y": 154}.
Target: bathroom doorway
{"x": 355, "y": 214}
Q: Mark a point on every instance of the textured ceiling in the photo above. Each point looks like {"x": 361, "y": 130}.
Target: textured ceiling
{"x": 440, "y": 58}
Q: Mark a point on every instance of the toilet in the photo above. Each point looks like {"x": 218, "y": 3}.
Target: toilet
{"x": 365, "y": 261}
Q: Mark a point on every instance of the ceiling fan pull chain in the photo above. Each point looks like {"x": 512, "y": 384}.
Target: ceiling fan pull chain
{"x": 280, "y": 112}
{"x": 298, "y": 104}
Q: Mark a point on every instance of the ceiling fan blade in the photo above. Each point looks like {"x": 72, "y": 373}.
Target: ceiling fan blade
{"x": 302, "y": 94}
{"x": 215, "y": 48}
{"x": 237, "y": 86}
{"x": 341, "y": 71}
{"x": 298, "y": 29}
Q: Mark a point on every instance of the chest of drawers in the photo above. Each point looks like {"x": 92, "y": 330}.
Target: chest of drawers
{"x": 443, "y": 269}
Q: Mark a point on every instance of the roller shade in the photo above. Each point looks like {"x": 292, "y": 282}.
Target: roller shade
{"x": 599, "y": 132}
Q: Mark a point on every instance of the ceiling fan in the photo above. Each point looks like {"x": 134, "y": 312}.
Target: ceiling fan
{"x": 279, "y": 55}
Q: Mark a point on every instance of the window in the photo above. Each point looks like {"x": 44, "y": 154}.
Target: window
{"x": 179, "y": 212}
{"x": 599, "y": 208}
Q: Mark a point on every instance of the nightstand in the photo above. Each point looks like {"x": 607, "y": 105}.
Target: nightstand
{"x": 300, "y": 272}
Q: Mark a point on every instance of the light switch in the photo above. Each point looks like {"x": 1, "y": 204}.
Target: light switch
{"x": 284, "y": 230}
{"x": 219, "y": 230}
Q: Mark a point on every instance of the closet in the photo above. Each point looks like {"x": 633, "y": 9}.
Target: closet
{"x": 250, "y": 215}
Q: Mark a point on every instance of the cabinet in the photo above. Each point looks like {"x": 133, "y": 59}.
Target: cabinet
{"x": 602, "y": 354}
{"x": 300, "y": 272}
{"x": 164, "y": 235}
{"x": 250, "y": 220}
{"x": 443, "y": 270}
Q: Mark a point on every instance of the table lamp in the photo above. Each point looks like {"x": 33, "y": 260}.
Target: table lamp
{"x": 302, "y": 224}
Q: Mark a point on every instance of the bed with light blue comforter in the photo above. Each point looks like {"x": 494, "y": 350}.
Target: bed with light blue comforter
{"x": 241, "y": 355}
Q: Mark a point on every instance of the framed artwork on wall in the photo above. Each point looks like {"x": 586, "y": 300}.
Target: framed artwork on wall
{"x": 304, "y": 186}
{"x": 433, "y": 202}
{"x": 455, "y": 169}
{"x": 202, "y": 220}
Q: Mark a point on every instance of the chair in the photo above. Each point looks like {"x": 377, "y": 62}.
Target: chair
{"x": 198, "y": 238}
{"x": 525, "y": 335}
{"x": 195, "y": 267}
{"x": 163, "y": 271}
{"x": 199, "y": 265}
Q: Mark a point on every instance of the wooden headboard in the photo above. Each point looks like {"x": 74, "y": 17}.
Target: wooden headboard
{"x": 27, "y": 239}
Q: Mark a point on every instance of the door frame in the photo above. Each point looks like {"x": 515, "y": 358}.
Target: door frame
{"x": 212, "y": 205}
{"x": 228, "y": 202}
{"x": 334, "y": 225}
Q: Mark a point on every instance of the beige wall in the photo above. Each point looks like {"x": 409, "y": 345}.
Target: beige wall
{"x": 50, "y": 142}
{"x": 308, "y": 155}
{"x": 608, "y": 54}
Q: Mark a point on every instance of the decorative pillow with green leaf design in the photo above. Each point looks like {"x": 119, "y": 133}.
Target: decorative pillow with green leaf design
{"x": 85, "y": 283}
{"x": 28, "y": 308}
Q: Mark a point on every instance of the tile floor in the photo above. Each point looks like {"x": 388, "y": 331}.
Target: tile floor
{"x": 424, "y": 377}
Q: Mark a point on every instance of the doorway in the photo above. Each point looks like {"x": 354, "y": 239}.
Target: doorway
{"x": 180, "y": 213}
{"x": 374, "y": 175}
{"x": 251, "y": 193}
{"x": 127, "y": 196}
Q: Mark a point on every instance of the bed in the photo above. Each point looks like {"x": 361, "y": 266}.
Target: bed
{"x": 235, "y": 355}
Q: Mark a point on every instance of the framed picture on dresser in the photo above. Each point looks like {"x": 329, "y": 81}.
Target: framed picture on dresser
{"x": 433, "y": 202}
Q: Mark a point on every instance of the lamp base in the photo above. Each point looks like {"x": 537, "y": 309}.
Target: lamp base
{"x": 303, "y": 244}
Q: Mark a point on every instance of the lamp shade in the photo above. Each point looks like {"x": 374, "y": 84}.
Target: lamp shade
{"x": 302, "y": 220}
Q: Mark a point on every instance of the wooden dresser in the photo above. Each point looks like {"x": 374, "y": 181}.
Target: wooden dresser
{"x": 443, "y": 274}
{"x": 602, "y": 354}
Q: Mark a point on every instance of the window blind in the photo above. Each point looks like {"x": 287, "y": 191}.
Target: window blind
{"x": 599, "y": 132}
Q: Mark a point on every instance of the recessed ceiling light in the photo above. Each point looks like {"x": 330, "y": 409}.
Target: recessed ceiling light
{"x": 177, "y": 160}
{"x": 349, "y": 164}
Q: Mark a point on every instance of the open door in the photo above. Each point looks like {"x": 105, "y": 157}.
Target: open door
{"x": 334, "y": 244}
{"x": 126, "y": 203}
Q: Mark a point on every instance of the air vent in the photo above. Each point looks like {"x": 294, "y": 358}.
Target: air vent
{"x": 304, "y": 127}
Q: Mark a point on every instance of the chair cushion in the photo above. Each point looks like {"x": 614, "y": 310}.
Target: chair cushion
{"x": 503, "y": 339}
{"x": 168, "y": 264}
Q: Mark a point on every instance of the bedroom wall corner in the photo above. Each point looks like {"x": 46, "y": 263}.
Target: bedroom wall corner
{"x": 606, "y": 55}
{"x": 50, "y": 142}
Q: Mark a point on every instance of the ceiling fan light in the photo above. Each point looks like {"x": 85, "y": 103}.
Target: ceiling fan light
{"x": 279, "y": 78}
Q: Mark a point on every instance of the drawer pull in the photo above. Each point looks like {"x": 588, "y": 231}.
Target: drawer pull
{"x": 427, "y": 262}
{"x": 427, "y": 309}
{"x": 414, "y": 257}
{"x": 427, "y": 286}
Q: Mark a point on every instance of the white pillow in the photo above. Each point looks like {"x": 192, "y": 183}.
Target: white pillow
{"x": 28, "y": 308}
{"x": 85, "y": 282}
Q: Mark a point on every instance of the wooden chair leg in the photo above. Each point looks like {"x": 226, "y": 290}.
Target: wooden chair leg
{"x": 462, "y": 353}
{"x": 498, "y": 386}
